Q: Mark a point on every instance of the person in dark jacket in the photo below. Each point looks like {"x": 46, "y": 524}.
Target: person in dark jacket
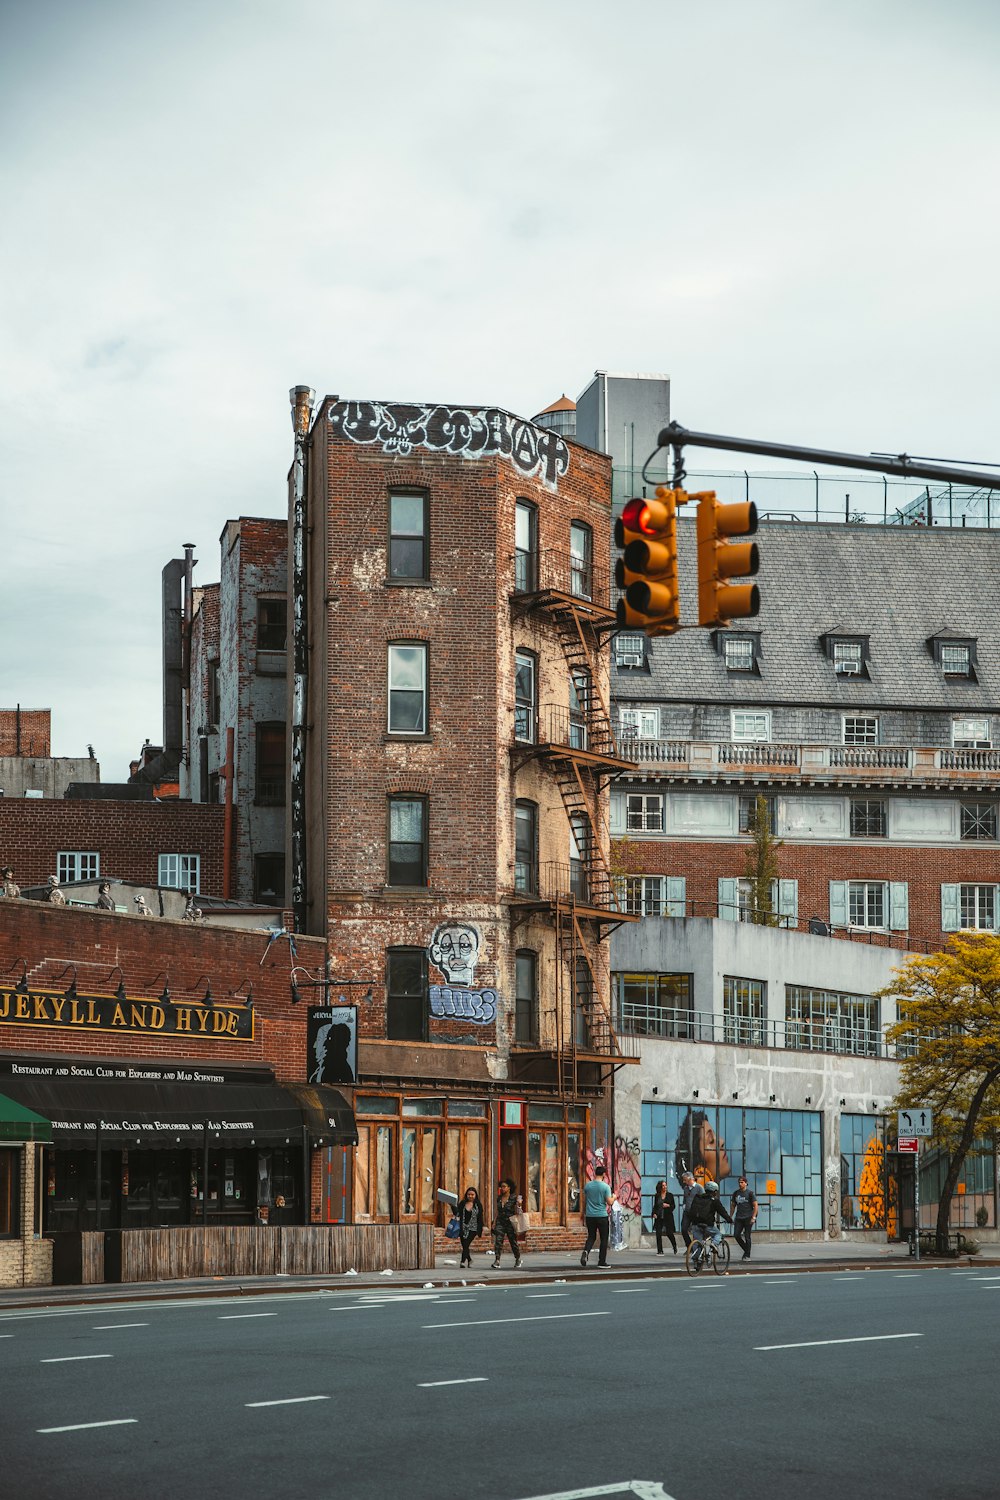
{"x": 664, "y": 1204}
{"x": 507, "y": 1205}
{"x": 704, "y": 1214}
{"x": 471, "y": 1223}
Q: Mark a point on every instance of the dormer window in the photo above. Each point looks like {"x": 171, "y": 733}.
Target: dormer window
{"x": 849, "y": 653}
{"x": 954, "y": 654}
{"x": 630, "y": 650}
{"x": 740, "y": 652}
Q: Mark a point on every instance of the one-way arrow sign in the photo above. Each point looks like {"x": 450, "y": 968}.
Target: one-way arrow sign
{"x": 915, "y": 1122}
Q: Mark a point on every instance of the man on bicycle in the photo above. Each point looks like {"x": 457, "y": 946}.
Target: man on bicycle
{"x": 706, "y": 1208}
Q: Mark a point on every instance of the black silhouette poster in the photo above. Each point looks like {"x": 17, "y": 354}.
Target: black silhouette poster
{"x": 332, "y": 1042}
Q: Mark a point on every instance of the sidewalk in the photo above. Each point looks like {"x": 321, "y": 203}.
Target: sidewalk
{"x": 537, "y": 1267}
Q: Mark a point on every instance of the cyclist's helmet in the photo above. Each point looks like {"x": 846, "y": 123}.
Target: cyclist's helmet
{"x": 711, "y": 1187}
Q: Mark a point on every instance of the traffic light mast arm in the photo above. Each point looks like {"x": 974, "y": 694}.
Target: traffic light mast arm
{"x": 676, "y": 436}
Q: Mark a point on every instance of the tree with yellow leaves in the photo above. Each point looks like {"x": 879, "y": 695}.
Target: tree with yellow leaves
{"x": 948, "y": 1031}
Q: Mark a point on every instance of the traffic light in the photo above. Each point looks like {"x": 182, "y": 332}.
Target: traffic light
{"x": 720, "y": 559}
{"x": 646, "y": 534}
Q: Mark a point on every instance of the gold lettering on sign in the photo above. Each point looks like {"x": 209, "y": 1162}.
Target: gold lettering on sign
{"x": 58, "y": 1007}
{"x": 41, "y": 1014}
{"x": 202, "y": 1019}
{"x": 21, "y": 1009}
{"x": 4, "y": 1005}
{"x": 118, "y": 1016}
{"x": 93, "y": 1019}
{"x": 75, "y": 1014}
{"x": 138, "y": 1016}
{"x": 157, "y": 1018}
{"x": 183, "y": 1015}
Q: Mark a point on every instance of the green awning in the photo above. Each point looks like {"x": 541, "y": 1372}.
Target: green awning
{"x": 20, "y": 1124}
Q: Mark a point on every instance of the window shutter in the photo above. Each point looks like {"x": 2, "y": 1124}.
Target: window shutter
{"x": 617, "y": 818}
{"x": 949, "y": 908}
{"x": 788, "y": 901}
{"x": 838, "y": 903}
{"x": 676, "y": 896}
{"x": 729, "y": 900}
{"x": 899, "y": 915}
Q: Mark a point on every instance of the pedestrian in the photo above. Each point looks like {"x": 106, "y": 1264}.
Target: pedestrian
{"x": 664, "y": 1204}
{"x": 10, "y": 888}
{"x": 471, "y": 1223}
{"x": 690, "y": 1189}
{"x": 597, "y": 1201}
{"x": 508, "y": 1204}
{"x": 105, "y": 900}
{"x": 53, "y": 894}
{"x": 744, "y": 1209}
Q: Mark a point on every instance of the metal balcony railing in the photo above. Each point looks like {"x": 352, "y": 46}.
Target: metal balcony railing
{"x": 563, "y": 573}
{"x": 832, "y": 763}
{"x": 634, "y": 1018}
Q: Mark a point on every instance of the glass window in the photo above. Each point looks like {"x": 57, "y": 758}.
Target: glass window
{"x": 581, "y": 560}
{"x": 753, "y": 727}
{"x": 525, "y": 548}
{"x": 10, "y": 1182}
{"x": 630, "y": 650}
{"x": 408, "y": 689}
{"x": 738, "y": 653}
{"x": 979, "y": 820}
{"x": 407, "y": 536}
{"x": 407, "y": 841}
{"x": 748, "y": 811}
{"x": 827, "y": 1021}
{"x": 956, "y": 661}
{"x": 213, "y": 694}
{"x": 653, "y": 1004}
{"x": 644, "y": 812}
{"x": 580, "y": 842}
{"x": 866, "y": 903}
{"x": 526, "y": 992}
{"x": 847, "y": 658}
{"x": 971, "y": 734}
{"x": 638, "y": 723}
{"x": 744, "y": 1011}
{"x": 977, "y": 906}
{"x": 860, "y": 730}
{"x": 423, "y": 1106}
{"x": 868, "y": 817}
{"x": 71, "y": 866}
{"x": 525, "y": 700}
{"x": 270, "y": 765}
{"x": 640, "y": 895}
{"x": 406, "y": 994}
{"x": 272, "y": 625}
{"x": 180, "y": 872}
{"x": 579, "y": 707}
{"x": 269, "y": 879}
{"x": 526, "y": 848}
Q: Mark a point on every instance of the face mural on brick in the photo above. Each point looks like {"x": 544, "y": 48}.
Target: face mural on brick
{"x": 466, "y": 432}
{"x": 454, "y": 949}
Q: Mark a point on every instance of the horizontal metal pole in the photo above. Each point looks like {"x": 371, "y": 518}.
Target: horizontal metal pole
{"x": 677, "y": 436}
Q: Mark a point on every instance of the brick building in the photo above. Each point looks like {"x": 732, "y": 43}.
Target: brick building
{"x": 456, "y": 748}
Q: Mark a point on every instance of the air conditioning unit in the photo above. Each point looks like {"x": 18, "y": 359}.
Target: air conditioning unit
{"x": 629, "y": 659}
{"x": 848, "y": 669}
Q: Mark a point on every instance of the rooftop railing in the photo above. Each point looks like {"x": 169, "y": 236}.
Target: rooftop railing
{"x": 821, "y": 1034}
{"x": 698, "y": 758}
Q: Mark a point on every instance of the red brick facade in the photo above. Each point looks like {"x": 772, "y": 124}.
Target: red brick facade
{"x": 26, "y": 731}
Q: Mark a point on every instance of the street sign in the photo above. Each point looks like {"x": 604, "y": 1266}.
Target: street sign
{"x": 915, "y": 1122}
{"x": 908, "y": 1143}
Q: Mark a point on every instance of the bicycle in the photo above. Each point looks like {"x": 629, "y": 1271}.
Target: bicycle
{"x": 704, "y": 1252}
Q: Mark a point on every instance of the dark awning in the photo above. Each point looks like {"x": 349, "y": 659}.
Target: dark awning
{"x": 20, "y": 1124}
{"x": 139, "y": 1114}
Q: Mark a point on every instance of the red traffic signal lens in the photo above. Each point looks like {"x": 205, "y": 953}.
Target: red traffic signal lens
{"x": 636, "y": 516}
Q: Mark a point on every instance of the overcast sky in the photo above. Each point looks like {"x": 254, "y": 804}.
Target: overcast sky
{"x": 790, "y": 206}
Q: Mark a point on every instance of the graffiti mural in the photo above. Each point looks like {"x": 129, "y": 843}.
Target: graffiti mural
{"x": 463, "y": 1005}
{"x": 454, "y": 949}
{"x": 627, "y": 1178}
{"x": 466, "y": 432}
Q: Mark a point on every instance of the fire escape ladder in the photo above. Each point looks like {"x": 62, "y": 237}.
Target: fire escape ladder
{"x": 581, "y": 653}
{"x": 588, "y": 986}
{"x": 581, "y": 807}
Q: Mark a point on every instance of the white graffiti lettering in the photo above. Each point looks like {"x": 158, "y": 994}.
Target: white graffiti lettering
{"x": 464, "y": 1005}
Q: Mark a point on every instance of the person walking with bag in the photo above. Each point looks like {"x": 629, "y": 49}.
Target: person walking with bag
{"x": 503, "y": 1228}
{"x": 664, "y": 1204}
{"x": 744, "y": 1208}
{"x": 471, "y": 1223}
{"x": 597, "y": 1201}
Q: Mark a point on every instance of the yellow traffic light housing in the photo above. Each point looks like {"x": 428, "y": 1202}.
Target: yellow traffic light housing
{"x": 646, "y": 534}
{"x": 720, "y": 559}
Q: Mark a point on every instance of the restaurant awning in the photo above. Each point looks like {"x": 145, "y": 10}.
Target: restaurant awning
{"x": 20, "y": 1124}
{"x": 141, "y": 1115}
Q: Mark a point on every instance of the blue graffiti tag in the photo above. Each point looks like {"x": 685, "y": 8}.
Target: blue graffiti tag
{"x": 464, "y": 1005}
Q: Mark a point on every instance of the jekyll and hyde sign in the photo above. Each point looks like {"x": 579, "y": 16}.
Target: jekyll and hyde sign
{"x": 106, "y": 1013}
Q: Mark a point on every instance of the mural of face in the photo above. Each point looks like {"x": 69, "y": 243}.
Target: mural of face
{"x": 455, "y": 950}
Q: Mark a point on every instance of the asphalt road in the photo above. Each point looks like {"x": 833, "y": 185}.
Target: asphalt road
{"x": 879, "y": 1383}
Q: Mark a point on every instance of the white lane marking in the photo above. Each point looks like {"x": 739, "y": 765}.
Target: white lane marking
{"x": 644, "y": 1489}
{"x": 898, "y": 1274}
{"x": 427, "y": 1385}
{"x": 502, "y": 1323}
{"x": 232, "y": 1317}
{"x": 358, "y": 1307}
{"x": 83, "y": 1426}
{"x": 871, "y": 1338}
{"x": 778, "y": 1280}
{"x": 376, "y": 1297}
{"x": 451, "y": 1301}
{"x": 287, "y": 1401}
{"x": 529, "y": 1295}
{"x": 6, "y": 1335}
{"x": 101, "y": 1327}
{"x": 848, "y": 1278}
{"x": 72, "y": 1359}
{"x": 626, "y": 1291}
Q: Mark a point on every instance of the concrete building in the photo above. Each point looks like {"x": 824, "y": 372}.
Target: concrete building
{"x": 457, "y": 753}
{"x": 27, "y": 766}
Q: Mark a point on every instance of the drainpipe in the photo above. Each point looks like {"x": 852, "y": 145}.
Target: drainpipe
{"x": 302, "y": 399}
{"x": 227, "y": 826}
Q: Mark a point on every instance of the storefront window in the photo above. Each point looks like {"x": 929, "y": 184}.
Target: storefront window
{"x": 10, "y": 1181}
{"x": 779, "y": 1151}
{"x": 876, "y": 1184}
